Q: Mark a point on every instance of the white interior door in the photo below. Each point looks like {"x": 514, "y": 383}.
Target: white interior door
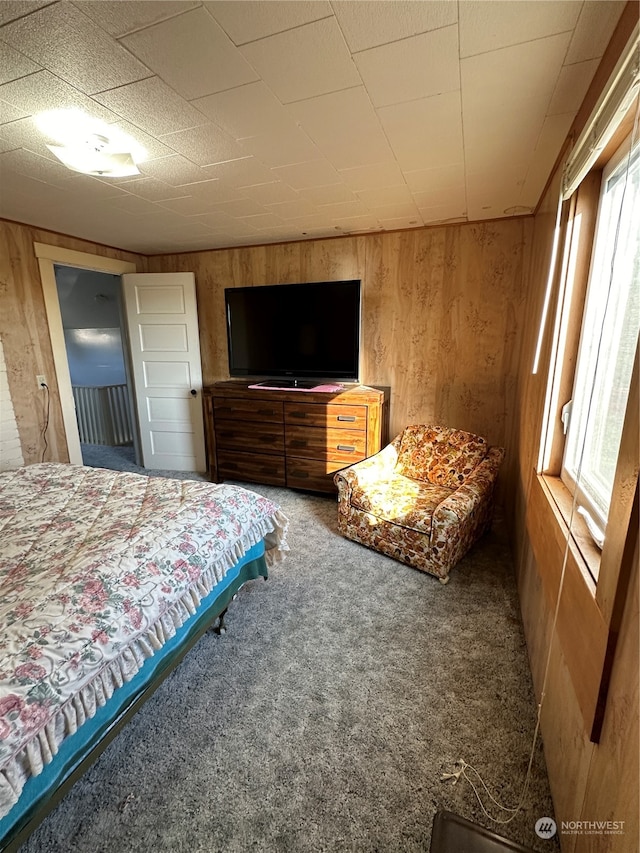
{"x": 162, "y": 323}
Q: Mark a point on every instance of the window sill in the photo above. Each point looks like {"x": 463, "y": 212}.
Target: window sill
{"x": 590, "y": 553}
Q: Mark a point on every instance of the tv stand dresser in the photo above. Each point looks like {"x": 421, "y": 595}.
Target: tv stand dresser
{"x": 295, "y": 437}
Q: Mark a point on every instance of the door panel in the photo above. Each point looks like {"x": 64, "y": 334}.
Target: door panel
{"x": 165, "y": 352}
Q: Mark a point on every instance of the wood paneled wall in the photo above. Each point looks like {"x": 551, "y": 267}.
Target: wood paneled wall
{"x": 442, "y": 312}
{"x": 589, "y": 782}
{"x": 25, "y": 336}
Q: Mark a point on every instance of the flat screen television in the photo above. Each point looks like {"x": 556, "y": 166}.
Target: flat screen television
{"x": 296, "y": 333}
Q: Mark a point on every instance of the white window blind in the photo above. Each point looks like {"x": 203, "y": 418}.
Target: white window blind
{"x": 623, "y": 86}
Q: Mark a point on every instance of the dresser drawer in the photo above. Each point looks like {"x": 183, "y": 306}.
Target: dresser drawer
{"x": 264, "y": 411}
{"x": 254, "y": 467}
{"x": 312, "y": 474}
{"x": 342, "y": 445}
{"x": 256, "y": 437}
{"x": 329, "y": 415}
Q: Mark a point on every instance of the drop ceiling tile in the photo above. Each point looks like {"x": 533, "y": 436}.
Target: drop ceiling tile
{"x": 375, "y": 22}
{"x": 271, "y": 193}
{"x": 593, "y": 30}
{"x": 14, "y": 64}
{"x": 5, "y": 145}
{"x": 454, "y": 196}
{"x": 92, "y": 189}
{"x": 118, "y": 18}
{"x": 572, "y": 86}
{"x": 486, "y": 27}
{"x": 330, "y": 194}
{"x": 189, "y": 205}
{"x": 191, "y": 53}
{"x": 134, "y": 205}
{"x": 153, "y": 106}
{"x": 386, "y": 195}
{"x": 215, "y": 190}
{"x": 30, "y": 164}
{"x": 504, "y": 78}
{"x": 498, "y": 138}
{"x": 25, "y": 134}
{"x": 425, "y": 133}
{"x": 216, "y": 220}
{"x": 435, "y": 180}
{"x": 9, "y": 113}
{"x": 552, "y": 136}
{"x": 293, "y": 209}
{"x": 315, "y": 173}
{"x": 246, "y": 110}
{"x": 397, "y": 223}
{"x": 326, "y": 117}
{"x": 151, "y": 145}
{"x": 154, "y": 190}
{"x": 445, "y": 213}
{"x": 489, "y": 194}
{"x": 254, "y": 19}
{"x": 42, "y": 91}
{"x": 174, "y": 170}
{"x": 282, "y": 148}
{"x": 357, "y": 224}
{"x": 72, "y": 47}
{"x": 262, "y": 221}
{"x": 12, "y": 9}
{"x": 245, "y": 171}
{"x": 204, "y": 145}
{"x": 361, "y": 149}
{"x": 406, "y": 210}
{"x": 344, "y": 209}
{"x": 316, "y": 51}
{"x": 372, "y": 176}
{"x": 239, "y": 207}
{"x": 414, "y": 68}
{"x": 345, "y": 128}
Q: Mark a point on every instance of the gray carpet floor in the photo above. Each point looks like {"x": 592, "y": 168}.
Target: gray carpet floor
{"x": 345, "y": 686}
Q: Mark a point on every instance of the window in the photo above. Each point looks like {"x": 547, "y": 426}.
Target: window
{"x": 608, "y": 341}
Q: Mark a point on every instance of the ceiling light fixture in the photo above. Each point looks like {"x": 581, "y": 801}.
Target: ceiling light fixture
{"x": 90, "y": 146}
{"x": 94, "y": 157}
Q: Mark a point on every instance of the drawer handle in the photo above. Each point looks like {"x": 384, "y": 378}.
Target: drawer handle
{"x": 266, "y": 439}
{"x": 266, "y": 412}
{"x": 346, "y": 447}
{"x": 297, "y": 442}
{"x": 233, "y": 466}
{"x": 301, "y": 475}
{"x": 298, "y": 414}
{"x": 350, "y": 418}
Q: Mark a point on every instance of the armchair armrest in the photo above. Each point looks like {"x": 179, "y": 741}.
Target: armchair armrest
{"x": 369, "y": 470}
{"x": 477, "y": 487}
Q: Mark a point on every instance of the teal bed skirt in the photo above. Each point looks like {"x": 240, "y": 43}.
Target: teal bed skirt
{"x": 78, "y": 751}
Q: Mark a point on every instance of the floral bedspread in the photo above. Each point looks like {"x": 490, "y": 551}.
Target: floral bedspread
{"x": 97, "y": 571}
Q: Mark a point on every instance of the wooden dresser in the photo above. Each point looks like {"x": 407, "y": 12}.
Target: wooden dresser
{"x": 291, "y": 438}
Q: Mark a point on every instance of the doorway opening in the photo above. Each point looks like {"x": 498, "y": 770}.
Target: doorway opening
{"x": 95, "y": 342}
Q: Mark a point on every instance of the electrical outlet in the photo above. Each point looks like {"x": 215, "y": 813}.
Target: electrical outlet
{"x": 41, "y": 379}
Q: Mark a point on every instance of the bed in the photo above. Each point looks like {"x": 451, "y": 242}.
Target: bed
{"x": 106, "y": 580}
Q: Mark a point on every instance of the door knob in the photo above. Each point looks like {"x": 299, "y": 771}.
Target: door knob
{"x": 194, "y": 393}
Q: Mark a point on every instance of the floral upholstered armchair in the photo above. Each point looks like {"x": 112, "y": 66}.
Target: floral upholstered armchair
{"x": 424, "y": 499}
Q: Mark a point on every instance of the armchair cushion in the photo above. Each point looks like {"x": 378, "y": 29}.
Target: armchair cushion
{"x": 408, "y": 503}
{"x": 438, "y": 455}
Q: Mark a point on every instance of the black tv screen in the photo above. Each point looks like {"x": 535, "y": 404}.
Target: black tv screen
{"x": 295, "y": 331}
